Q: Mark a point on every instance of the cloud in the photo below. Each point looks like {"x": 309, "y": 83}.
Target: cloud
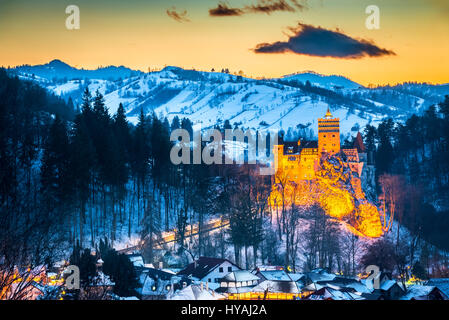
{"x": 320, "y": 42}
{"x": 222, "y": 10}
{"x": 261, "y": 6}
{"x": 178, "y": 16}
{"x": 269, "y": 6}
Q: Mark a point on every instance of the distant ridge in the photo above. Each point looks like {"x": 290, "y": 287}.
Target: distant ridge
{"x": 59, "y": 70}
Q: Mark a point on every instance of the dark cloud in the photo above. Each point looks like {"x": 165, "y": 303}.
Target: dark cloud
{"x": 320, "y": 42}
{"x": 269, "y": 6}
{"x": 222, "y": 10}
{"x": 178, "y": 16}
{"x": 261, "y": 6}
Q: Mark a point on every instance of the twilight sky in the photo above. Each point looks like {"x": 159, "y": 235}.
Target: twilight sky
{"x": 260, "y": 37}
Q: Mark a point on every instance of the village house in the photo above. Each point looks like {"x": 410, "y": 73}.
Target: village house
{"x": 209, "y": 270}
{"x": 237, "y": 285}
{"x": 157, "y": 284}
{"x": 275, "y": 284}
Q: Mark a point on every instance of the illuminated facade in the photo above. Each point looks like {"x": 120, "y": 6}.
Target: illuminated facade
{"x": 298, "y": 161}
{"x": 329, "y": 134}
{"x": 307, "y": 173}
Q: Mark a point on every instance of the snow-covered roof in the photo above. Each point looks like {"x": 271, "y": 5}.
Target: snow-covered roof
{"x": 417, "y": 292}
{"x": 202, "y": 267}
{"x": 320, "y": 276}
{"x": 386, "y": 285}
{"x": 239, "y": 276}
{"x": 296, "y": 276}
{"x": 440, "y": 283}
{"x": 334, "y": 293}
{"x": 234, "y": 289}
{"x": 194, "y": 292}
{"x": 276, "y": 287}
{"x": 137, "y": 260}
{"x": 275, "y": 275}
{"x": 359, "y": 287}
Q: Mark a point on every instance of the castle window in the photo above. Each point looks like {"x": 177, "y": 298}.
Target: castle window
{"x": 324, "y": 136}
{"x": 333, "y": 136}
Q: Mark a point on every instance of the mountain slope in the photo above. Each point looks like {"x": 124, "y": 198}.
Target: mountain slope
{"x": 210, "y": 98}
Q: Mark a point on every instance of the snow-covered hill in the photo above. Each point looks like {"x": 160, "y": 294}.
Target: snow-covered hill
{"x": 210, "y": 98}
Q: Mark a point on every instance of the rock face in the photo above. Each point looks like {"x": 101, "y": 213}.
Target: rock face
{"x": 336, "y": 177}
{"x": 333, "y": 189}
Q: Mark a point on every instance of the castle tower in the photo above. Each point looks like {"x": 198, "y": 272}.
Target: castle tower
{"x": 329, "y": 134}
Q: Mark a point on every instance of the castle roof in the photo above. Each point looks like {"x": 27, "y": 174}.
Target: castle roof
{"x": 328, "y": 114}
{"x": 293, "y": 148}
{"x": 358, "y": 143}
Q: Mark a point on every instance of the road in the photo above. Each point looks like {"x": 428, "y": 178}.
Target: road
{"x": 170, "y": 236}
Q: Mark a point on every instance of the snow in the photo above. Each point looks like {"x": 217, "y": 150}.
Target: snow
{"x": 416, "y": 291}
{"x": 194, "y": 292}
{"x": 276, "y": 287}
{"x": 210, "y": 97}
{"x": 275, "y": 275}
{"x": 241, "y": 275}
{"x": 386, "y": 285}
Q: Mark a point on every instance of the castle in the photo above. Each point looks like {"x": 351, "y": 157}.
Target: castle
{"x": 299, "y": 161}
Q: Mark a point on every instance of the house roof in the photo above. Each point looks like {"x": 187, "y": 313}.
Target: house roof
{"x": 240, "y": 275}
{"x": 417, "y": 291}
{"x": 275, "y": 275}
{"x": 309, "y": 144}
{"x": 194, "y": 292}
{"x": 316, "y": 276}
{"x": 358, "y": 143}
{"x": 387, "y": 285}
{"x": 296, "y": 276}
{"x": 276, "y": 287}
{"x": 334, "y": 293}
{"x": 440, "y": 283}
{"x": 234, "y": 289}
{"x": 202, "y": 267}
{"x": 295, "y": 149}
{"x": 154, "y": 273}
{"x": 136, "y": 260}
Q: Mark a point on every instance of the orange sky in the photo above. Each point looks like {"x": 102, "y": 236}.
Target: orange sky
{"x": 139, "y": 34}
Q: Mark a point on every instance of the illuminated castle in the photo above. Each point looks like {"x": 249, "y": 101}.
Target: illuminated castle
{"x": 299, "y": 160}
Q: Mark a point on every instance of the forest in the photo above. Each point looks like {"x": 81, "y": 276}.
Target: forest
{"x": 74, "y": 175}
